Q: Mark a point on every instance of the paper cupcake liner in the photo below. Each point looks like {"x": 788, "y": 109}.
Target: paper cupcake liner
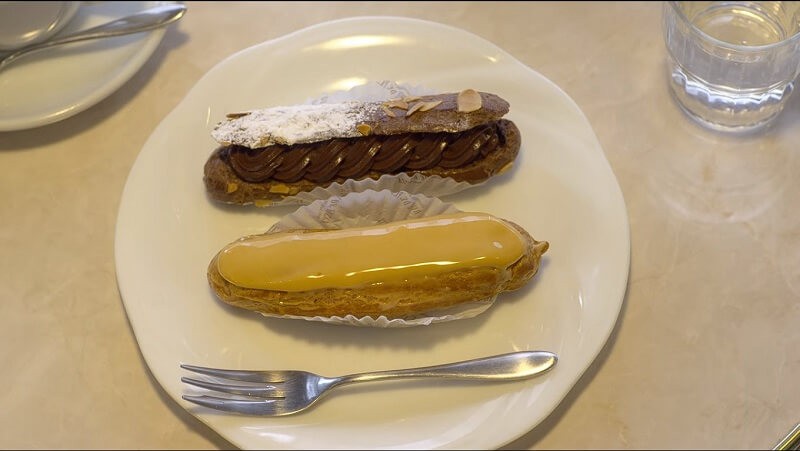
{"x": 369, "y": 208}
{"x": 415, "y": 184}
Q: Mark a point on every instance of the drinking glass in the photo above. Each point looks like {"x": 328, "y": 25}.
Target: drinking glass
{"x": 732, "y": 64}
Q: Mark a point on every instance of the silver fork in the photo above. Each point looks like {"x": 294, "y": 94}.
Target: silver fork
{"x": 274, "y": 393}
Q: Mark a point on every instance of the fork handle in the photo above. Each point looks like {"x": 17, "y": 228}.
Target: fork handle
{"x": 512, "y": 366}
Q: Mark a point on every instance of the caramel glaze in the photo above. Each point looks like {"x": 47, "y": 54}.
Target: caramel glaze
{"x": 355, "y": 157}
{"x": 384, "y": 253}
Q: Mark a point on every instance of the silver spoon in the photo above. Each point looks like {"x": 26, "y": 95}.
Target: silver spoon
{"x": 143, "y": 21}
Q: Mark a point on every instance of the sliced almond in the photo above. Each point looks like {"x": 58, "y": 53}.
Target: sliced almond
{"x": 468, "y": 100}
{"x": 429, "y": 105}
{"x": 279, "y": 188}
{"x": 397, "y": 103}
{"x": 364, "y": 129}
{"x": 236, "y": 115}
{"x": 388, "y": 112}
{"x": 505, "y": 168}
{"x": 410, "y": 99}
{"x": 413, "y": 109}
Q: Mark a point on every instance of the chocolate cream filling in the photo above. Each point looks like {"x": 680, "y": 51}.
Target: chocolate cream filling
{"x": 355, "y": 157}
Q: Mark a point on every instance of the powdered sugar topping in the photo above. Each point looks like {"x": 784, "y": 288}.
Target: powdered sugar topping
{"x": 294, "y": 124}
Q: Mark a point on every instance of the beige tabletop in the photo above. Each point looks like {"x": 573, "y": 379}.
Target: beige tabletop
{"x": 706, "y": 351}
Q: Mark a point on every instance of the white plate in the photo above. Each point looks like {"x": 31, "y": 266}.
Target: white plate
{"x": 57, "y": 83}
{"x": 562, "y": 190}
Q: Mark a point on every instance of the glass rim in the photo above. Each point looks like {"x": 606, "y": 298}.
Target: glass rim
{"x": 674, "y": 4}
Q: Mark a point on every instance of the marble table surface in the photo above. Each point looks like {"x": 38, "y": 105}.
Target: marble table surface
{"x": 705, "y": 353}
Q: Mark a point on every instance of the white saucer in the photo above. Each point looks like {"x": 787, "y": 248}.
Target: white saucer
{"x": 57, "y": 83}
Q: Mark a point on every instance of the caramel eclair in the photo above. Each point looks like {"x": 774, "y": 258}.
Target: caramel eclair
{"x": 403, "y": 269}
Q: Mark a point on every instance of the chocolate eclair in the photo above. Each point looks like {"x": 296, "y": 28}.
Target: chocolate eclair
{"x": 265, "y": 156}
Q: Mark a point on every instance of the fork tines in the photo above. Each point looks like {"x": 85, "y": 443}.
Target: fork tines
{"x": 236, "y": 375}
{"x": 265, "y": 395}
